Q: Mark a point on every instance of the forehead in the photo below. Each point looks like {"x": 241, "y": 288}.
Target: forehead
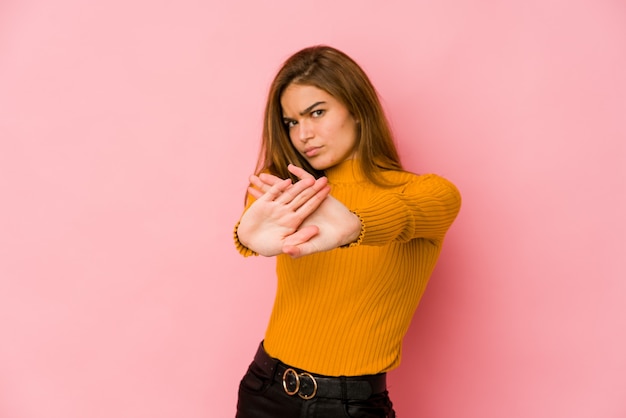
{"x": 298, "y": 97}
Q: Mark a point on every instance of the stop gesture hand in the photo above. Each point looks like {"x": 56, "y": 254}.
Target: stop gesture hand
{"x": 275, "y": 218}
{"x": 332, "y": 221}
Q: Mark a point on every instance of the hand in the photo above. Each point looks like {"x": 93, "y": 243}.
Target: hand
{"x": 335, "y": 224}
{"x": 278, "y": 213}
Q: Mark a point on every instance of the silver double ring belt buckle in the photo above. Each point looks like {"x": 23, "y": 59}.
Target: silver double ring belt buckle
{"x": 298, "y": 378}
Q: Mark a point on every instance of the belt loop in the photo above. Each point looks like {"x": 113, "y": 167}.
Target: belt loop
{"x": 267, "y": 361}
{"x": 344, "y": 389}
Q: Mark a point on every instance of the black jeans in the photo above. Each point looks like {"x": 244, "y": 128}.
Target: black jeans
{"x": 262, "y": 395}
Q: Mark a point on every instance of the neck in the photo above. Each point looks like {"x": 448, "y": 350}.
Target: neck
{"x": 346, "y": 171}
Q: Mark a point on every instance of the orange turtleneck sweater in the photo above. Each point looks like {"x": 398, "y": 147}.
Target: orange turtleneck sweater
{"x": 346, "y": 311}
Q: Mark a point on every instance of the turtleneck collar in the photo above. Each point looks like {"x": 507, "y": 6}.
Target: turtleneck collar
{"x": 347, "y": 171}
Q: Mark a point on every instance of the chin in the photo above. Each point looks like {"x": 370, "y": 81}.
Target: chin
{"x": 320, "y": 167}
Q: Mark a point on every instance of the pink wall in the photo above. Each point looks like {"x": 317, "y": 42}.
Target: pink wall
{"x": 128, "y": 128}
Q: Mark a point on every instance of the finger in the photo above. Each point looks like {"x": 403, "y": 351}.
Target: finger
{"x": 265, "y": 180}
{"x": 254, "y": 192}
{"x": 259, "y": 184}
{"x": 300, "y": 250}
{"x": 314, "y": 202}
{"x": 293, "y": 242}
{"x": 302, "y": 191}
{"x": 303, "y": 197}
{"x": 303, "y": 185}
{"x": 269, "y": 178}
{"x": 299, "y": 172}
{"x": 276, "y": 190}
{"x": 296, "y": 189}
{"x": 292, "y": 250}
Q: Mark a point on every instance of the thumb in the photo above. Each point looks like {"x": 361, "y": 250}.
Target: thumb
{"x": 292, "y": 250}
{"x": 300, "y": 250}
{"x": 292, "y": 243}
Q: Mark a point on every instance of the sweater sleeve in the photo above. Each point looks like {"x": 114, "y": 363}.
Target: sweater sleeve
{"x": 424, "y": 208}
{"x": 242, "y": 249}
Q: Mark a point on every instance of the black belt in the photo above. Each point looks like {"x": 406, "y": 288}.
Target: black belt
{"x": 308, "y": 385}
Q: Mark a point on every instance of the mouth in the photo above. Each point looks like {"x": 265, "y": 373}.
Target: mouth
{"x": 311, "y": 151}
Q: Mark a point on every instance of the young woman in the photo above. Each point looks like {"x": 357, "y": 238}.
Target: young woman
{"x": 355, "y": 238}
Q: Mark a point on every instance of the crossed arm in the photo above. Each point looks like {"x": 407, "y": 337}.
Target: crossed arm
{"x": 295, "y": 218}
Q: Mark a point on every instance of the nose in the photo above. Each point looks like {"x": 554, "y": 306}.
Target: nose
{"x": 306, "y": 130}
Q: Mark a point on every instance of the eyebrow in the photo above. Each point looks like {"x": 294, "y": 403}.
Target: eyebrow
{"x": 308, "y": 109}
{"x": 313, "y": 106}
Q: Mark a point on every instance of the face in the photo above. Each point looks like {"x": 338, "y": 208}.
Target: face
{"x": 320, "y": 127}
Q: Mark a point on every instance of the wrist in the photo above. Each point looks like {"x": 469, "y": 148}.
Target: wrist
{"x": 356, "y": 230}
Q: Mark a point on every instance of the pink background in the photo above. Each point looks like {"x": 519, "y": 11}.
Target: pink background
{"x": 128, "y": 129}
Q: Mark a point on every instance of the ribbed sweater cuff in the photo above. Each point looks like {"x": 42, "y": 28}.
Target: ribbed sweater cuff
{"x": 243, "y": 250}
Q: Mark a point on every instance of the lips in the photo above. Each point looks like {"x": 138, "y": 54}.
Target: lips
{"x": 312, "y": 151}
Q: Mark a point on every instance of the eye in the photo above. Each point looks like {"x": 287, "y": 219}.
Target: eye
{"x": 317, "y": 113}
{"x": 289, "y": 123}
